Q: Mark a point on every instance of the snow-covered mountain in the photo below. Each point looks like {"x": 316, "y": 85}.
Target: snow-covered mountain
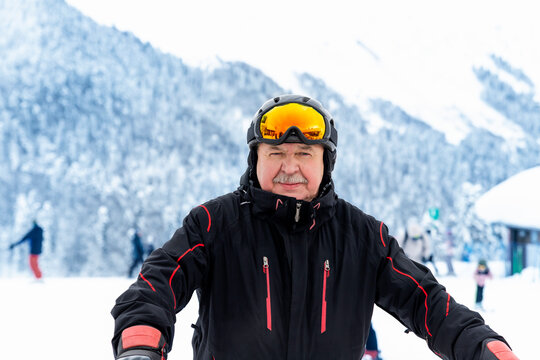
{"x": 101, "y": 132}
{"x": 418, "y": 53}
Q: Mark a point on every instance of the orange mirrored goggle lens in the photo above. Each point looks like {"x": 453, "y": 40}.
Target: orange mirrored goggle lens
{"x": 278, "y": 120}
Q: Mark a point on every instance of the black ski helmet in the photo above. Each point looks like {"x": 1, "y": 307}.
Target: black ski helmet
{"x": 293, "y": 135}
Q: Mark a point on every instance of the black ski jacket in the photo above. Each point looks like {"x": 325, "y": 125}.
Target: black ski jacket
{"x": 280, "y": 279}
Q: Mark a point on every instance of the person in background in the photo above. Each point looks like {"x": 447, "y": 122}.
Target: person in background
{"x": 139, "y": 252}
{"x": 481, "y": 274}
{"x": 35, "y": 240}
{"x": 430, "y": 258}
{"x": 417, "y": 244}
{"x": 149, "y": 246}
{"x": 372, "y": 346}
{"x": 449, "y": 244}
{"x": 286, "y": 269}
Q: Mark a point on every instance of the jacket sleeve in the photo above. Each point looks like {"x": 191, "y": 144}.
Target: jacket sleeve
{"x": 408, "y": 291}
{"x": 166, "y": 282}
{"x": 23, "y": 239}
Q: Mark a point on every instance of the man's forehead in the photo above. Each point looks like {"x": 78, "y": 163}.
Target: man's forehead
{"x": 299, "y": 146}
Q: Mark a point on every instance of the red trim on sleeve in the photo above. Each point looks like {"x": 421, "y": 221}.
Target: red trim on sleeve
{"x": 148, "y": 282}
{"x": 170, "y": 284}
{"x": 178, "y": 267}
{"x": 188, "y": 250}
{"x": 380, "y": 232}
{"x": 501, "y": 350}
{"x": 447, "y": 304}
{"x": 420, "y": 287}
{"x": 140, "y": 335}
{"x": 209, "y": 217}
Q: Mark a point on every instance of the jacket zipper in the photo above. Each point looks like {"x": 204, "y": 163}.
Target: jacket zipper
{"x": 266, "y": 270}
{"x": 297, "y": 215}
{"x": 323, "y": 314}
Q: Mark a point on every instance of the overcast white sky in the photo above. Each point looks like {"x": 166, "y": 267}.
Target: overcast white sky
{"x": 275, "y": 33}
{"x": 418, "y": 53}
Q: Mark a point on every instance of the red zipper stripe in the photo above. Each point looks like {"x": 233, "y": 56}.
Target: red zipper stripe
{"x": 326, "y": 268}
{"x": 266, "y": 270}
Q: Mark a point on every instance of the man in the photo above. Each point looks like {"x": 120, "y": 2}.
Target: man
{"x": 285, "y": 269}
{"x": 35, "y": 239}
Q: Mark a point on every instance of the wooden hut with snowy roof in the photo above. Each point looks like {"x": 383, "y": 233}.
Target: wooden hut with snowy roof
{"x": 515, "y": 203}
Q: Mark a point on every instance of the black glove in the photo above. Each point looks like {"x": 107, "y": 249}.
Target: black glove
{"x": 139, "y": 354}
{"x": 141, "y": 342}
{"x": 493, "y": 349}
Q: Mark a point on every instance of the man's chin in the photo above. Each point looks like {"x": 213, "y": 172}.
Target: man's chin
{"x": 297, "y": 193}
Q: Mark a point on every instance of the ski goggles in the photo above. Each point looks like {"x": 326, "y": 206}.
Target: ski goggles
{"x": 293, "y": 122}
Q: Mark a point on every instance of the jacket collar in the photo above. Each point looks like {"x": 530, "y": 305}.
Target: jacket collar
{"x": 295, "y": 215}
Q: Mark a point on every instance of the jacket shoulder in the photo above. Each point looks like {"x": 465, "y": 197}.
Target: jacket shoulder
{"x": 352, "y": 212}
{"x": 219, "y": 211}
{"x": 364, "y": 225}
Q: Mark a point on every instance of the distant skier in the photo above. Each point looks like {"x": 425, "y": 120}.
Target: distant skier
{"x": 417, "y": 244}
{"x": 481, "y": 274}
{"x": 414, "y": 242}
{"x": 372, "y": 346}
{"x": 138, "y": 254}
{"x": 35, "y": 238}
{"x": 149, "y": 246}
{"x": 449, "y": 244}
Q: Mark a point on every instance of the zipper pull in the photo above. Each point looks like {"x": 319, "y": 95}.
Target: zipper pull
{"x": 327, "y": 267}
{"x": 297, "y": 215}
{"x": 265, "y": 263}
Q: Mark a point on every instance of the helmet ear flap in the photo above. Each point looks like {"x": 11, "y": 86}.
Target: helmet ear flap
{"x": 329, "y": 159}
{"x": 250, "y": 175}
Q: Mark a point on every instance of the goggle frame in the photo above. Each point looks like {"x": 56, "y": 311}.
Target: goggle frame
{"x": 329, "y": 139}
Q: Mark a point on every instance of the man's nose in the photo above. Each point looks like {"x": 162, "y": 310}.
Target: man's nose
{"x": 289, "y": 165}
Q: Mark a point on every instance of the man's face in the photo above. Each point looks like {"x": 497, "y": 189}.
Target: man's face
{"x": 291, "y": 169}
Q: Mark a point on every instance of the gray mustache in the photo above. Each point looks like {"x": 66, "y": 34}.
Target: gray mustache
{"x": 290, "y": 179}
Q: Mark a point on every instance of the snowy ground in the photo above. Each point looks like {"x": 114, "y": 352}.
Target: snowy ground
{"x": 68, "y": 318}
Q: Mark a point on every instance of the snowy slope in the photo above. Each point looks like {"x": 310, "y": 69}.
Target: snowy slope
{"x": 419, "y": 54}
{"x": 67, "y": 318}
